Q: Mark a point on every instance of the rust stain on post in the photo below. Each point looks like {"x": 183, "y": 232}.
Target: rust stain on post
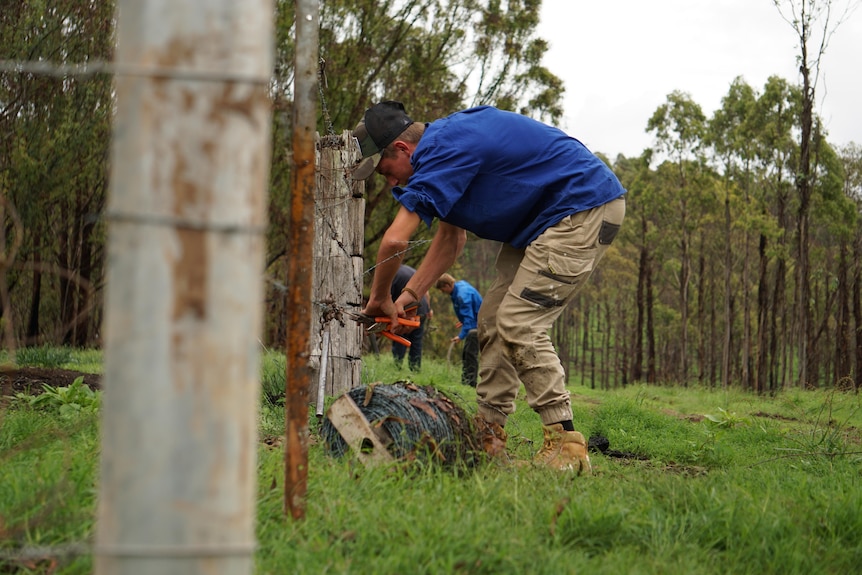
{"x": 190, "y": 275}
{"x": 192, "y": 263}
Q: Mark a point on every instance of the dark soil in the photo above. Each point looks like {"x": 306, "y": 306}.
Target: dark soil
{"x": 30, "y": 379}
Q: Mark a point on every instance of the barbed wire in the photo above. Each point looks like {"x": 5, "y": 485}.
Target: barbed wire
{"x": 421, "y": 421}
{"x": 321, "y": 84}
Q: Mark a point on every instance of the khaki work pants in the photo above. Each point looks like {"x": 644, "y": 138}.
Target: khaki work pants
{"x": 532, "y": 287}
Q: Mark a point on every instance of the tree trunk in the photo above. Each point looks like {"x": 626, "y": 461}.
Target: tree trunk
{"x": 745, "y": 348}
{"x": 607, "y": 365}
{"x": 702, "y": 325}
{"x": 684, "y": 276}
{"x": 763, "y": 321}
{"x": 843, "y": 355}
{"x": 640, "y": 299}
{"x": 776, "y": 334}
{"x": 728, "y": 319}
{"x": 650, "y": 325}
{"x": 82, "y": 291}
{"x": 803, "y": 184}
{"x": 857, "y": 311}
{"x": 32, "y": 332}
{"x": 67, "y": 289}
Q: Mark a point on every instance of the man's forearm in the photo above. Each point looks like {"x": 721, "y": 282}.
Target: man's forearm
{"x": 393, "y": 245}
{"x": 447, "y": 245}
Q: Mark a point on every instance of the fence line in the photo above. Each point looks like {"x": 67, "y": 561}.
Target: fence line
{"x": 100, "y": 67}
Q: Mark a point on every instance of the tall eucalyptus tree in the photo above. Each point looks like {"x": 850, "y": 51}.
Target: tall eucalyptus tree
{"x": 776, "y": 112}
{"x": 730, "y": 136}
{"x": 679, "y": 128}
{"x": 814, "y": 22}
{"x": 851, "y": 158}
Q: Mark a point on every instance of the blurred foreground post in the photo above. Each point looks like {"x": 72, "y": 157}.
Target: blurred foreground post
{"x": 186, "y": 219}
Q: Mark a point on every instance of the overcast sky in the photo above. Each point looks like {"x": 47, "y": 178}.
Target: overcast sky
{"x": 620, "y": 59}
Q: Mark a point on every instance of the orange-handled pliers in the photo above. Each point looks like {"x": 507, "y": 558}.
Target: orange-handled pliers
{"x": 381, "y": 324}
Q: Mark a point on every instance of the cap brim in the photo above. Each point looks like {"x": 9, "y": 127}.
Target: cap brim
{"x": 365, "y": 169}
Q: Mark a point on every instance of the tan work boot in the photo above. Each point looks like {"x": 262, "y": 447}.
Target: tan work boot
{"x": 564, "y": 450}
{"x": 492, "y": 437}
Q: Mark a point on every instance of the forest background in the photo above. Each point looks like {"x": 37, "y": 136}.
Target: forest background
{"x": 738, "y": 263}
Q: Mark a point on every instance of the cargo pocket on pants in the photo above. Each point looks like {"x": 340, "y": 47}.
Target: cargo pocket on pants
{"x": 608, "y": 232}
{"x": 552, "y": 286}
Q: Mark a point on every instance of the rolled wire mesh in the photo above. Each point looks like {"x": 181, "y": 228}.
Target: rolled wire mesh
{"x": 420, "y": 420}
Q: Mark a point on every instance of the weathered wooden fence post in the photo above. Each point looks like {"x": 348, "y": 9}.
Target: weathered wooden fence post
{"x": 338, "y": 243}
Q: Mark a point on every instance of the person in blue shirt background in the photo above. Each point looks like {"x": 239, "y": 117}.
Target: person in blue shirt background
{"x": 554, "y": 206}
{"x": 466, "y": 301}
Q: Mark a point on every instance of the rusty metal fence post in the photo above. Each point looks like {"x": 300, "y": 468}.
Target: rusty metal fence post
{"x": 301, "y": 235}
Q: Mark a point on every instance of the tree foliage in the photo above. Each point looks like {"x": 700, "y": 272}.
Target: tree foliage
{"x": 54, "y": 136}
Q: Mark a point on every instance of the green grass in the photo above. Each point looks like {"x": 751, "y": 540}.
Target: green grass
{"x": 723, "y": 482}
{"x": 83, "y": 360}
{"x": 730, "y": 483}
{"x": 48, "y": 470}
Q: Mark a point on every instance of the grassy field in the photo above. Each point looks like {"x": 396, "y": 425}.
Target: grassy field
{"x": 701, "y": 481}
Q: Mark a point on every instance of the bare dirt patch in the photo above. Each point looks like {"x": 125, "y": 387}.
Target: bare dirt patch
{"x": 775, "y": 416}
{"x": 692, "y": 417}
{"x": 30, "y": 380}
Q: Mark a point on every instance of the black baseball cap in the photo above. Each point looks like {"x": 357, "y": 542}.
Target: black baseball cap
{"x": 382, "y": 124}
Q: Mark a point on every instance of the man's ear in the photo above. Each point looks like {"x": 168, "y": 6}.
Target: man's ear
{"x": 403, "y": 146}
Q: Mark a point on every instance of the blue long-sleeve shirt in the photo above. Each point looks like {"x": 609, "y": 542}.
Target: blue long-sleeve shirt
{"x": 503, "y": 176}
{"x": 466, "y": 301}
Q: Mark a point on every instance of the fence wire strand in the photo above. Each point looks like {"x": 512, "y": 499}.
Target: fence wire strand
{"x": 99, "y": 67}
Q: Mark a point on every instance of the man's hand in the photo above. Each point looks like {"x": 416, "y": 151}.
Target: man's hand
{"x": 392, "y": 247}
{"x": 392, "y": 310}
{"x": 455, "y": 339}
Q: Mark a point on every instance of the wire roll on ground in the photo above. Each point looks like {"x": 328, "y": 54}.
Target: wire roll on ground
{"x": 420, "y": 420}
